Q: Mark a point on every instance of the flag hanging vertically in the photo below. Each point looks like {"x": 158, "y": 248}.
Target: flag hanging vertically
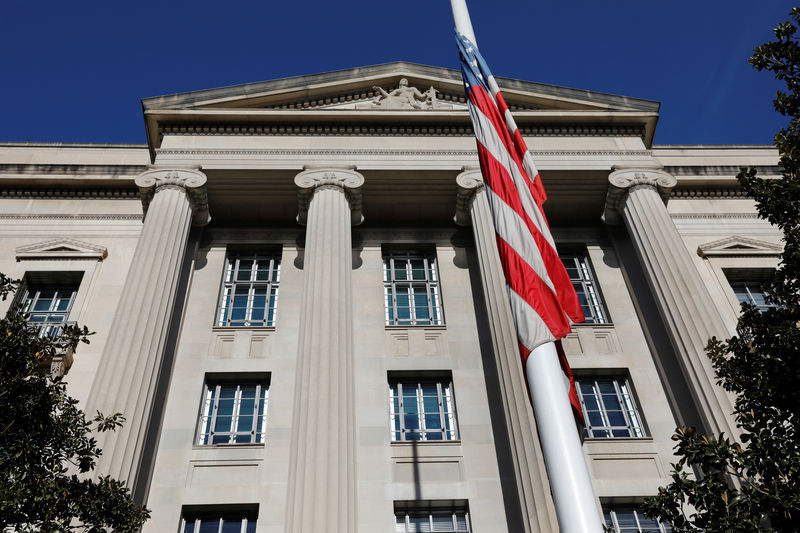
{"x": 542, "y": 297}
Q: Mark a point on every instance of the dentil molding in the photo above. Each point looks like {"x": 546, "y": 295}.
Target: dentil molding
{"x": 192, "y": 181}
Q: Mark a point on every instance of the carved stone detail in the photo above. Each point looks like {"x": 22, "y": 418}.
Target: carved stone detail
{"x": 312, "y": 180}
{"x": 469, "y": 183}
{"x": 623, "y": 181}
{"x": 405, "y": 97}
{"x": 192, "y": 181}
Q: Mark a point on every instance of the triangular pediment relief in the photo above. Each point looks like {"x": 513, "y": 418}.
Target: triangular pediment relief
{"x": 61, "y": 249}
{"x": 357, "y": 88}
{"x": 738, "y": 245}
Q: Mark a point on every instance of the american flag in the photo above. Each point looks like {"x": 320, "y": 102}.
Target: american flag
{"x": 542, "y": 297}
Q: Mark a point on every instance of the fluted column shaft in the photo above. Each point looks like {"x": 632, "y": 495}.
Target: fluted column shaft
{"x": 127, "y": 377}
{"x": 532, "y": 484}
{"x": 684, "y": 303}
{"x": 322, "y": 492}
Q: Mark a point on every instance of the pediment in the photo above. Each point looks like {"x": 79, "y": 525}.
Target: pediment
{"x": 61, "y": 249}
{"x": 358, "y": 89}
{"x": 738, "y": 245}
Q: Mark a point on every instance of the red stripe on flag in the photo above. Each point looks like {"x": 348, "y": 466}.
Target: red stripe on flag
{"x": 530, "y": 287}
{"x": 498, "y": 180}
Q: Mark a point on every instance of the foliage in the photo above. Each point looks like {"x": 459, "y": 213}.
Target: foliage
{"x": 755, "y": 485}
{"x": 46, "y": 448}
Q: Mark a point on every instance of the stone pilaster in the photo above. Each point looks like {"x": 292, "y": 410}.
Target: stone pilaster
{"x": 538, "y": 512}
{"x": 173, "y": 200}
{"x": 638, "y": 197}
{"x": 322, "y": 491}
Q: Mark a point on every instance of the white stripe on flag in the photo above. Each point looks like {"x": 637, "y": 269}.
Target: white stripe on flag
{"x": 511, "y": 228}
{"x": 490, "y": 139}
{"x": 531, "y": 329}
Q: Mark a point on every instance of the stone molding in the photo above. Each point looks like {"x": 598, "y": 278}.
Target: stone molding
{"x": 574, "y": 154}
{"x": 61, "y": 249}
{"x": 83, "y": 194}
{"x": 192, "y": 181}
{"x": 622, "y": 181}
{"x": 469, "y": 183}
{"x": 346, "y": 179}
{"x": 739, "y": 246}
{"x": 555, "y": 130}
{"x": 69, "y": 216}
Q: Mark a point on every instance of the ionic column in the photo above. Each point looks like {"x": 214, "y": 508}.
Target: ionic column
{"x": 173, "y": 201}
{"x": 538, "y": 513}
{"x": 639, "y": 197}
{"x": 322, "y": 491}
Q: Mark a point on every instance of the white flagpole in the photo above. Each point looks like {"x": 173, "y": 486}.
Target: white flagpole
{"x": 570, "y": 483}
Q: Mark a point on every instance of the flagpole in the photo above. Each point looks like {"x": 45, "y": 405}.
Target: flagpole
{"x": 570, "y": 483}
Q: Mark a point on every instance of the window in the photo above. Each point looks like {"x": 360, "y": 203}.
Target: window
{"x": 609, "y": 409}
{"x": 422, "y": 409}
{"x": 580, "y": 273}
{"x": 433, "y": 518}
{"x": 233, "y": 412}
{"x": 47, "y": 298}
{"x": 411, "y": 289}
{"x": 249, "y": 290}
{"x": 748, "y": 285}
{"x": 232, "y": 521}
{"x": 629, "y": 520}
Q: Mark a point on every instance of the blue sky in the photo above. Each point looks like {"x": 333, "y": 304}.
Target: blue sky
{"x": 76, "y": 71}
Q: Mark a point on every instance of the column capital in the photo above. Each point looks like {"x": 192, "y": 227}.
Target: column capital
{"x": 346, "y": 179}
{"x": 190, "y": 180}
{"x": 623, "y": 180}
{"x": 469, "y": 182}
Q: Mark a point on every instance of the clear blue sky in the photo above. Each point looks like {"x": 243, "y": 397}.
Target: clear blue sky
{"x": 76, "y": 71}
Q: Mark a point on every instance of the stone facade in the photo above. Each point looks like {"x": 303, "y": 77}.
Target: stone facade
{"x": 327, "y": 175}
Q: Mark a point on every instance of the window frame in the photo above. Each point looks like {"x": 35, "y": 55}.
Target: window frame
{"x": 228, "y": 289}
{"x": 444, "y": 394}
{"x": 431, "y": 284}
{"x": 610, "y": 514}
{"x": 405, "y": 511}
{"x": 626, "y": 397}
{"x": 206, "y": 423}
{"x": 588, "y": 284}
{"x": 34, "y": 283}
{"x": 248, "y": 514}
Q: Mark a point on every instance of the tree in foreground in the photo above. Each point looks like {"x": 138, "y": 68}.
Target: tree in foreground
{"x": 46, "y": 448}
{"x": 755, "y": 486}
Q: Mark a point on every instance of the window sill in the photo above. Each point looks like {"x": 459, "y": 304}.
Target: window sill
{"x": 604, "y": 325}
{"x": 416, "y": 326}
{"x": 401, "y": 443}
{"x": 228, "y": 445}
{"x": 221, "y": 329}
{"x": 618, "y": 439}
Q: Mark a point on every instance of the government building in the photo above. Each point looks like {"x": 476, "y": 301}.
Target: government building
{"x": 300, "y": 311}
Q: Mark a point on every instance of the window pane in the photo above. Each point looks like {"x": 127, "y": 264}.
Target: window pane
{"x": 209, "y": 525}
{"x": 251, "y": 294}
{"x": 435, "y": 422}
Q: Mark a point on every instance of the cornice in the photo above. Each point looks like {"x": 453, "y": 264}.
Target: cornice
{"x": 16, "y": 168}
